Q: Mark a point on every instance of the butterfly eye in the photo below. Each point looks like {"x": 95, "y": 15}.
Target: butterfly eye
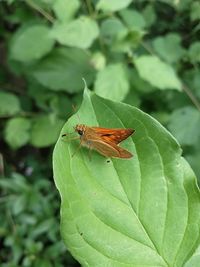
{"x": 80, "y": 132}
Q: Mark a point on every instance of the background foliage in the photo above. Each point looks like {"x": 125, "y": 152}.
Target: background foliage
{"x": 144, "y": 53}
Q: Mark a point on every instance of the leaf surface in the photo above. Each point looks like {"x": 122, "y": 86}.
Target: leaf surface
{"x": 78, "y": 33}
{"x": 184, "y": 123}
{"x": 17, "y": 132}
{"x": 9, "y": 104}
{"x": 112, "y": 82}
{"x": 112, "y": 5}
{"x": 31, "y": 43}
{"x": 157, "y": 72}
{"x": 57, "y": 70}
{"x": 65, "y": 9}
{"x": 45, "y": 131}
{"x": 139, "y": 212}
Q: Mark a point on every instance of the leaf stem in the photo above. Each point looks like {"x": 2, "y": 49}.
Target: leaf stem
{"x": 189, "y": 93}
{"x": 40, "y": 10}
{"x": 89, "y": 7}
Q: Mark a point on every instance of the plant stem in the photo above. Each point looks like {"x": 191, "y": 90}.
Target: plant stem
{"x": 40, "y": 10}
{"x": 89, "y": 7}
{"x": 189, "y": 93}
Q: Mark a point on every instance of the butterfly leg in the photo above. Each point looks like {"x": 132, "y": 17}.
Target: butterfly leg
{"x": 89, "y": 150}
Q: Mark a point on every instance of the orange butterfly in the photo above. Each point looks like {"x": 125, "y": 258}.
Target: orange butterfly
{"x": 104, "y": 140}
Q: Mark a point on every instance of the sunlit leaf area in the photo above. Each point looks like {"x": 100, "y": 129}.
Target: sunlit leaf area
{"x": 102, "y": 63}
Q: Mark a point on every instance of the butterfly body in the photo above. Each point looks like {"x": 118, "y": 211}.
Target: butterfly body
{"x": 104, "y": 140}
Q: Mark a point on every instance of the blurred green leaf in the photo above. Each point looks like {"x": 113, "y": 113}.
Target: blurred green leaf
{"x": 194, "y": 160}
{"x": 194, "y": 52}
{"x": 79, "y": 33}
{"x": 157, "y": 73}
{"x": 19, "y": 204}
{"x": 192, "y": 79}
{"x": 65, "y": 9}
{"x": 61, "y": 105}
{"x": 169, "y": 47}
{"x": 44, "y": 3}
{"x": 112, "y": 82}
{"x": 138, "y": 83}
{"x": 17, "y": 132}
{"x": 112, "y": 5}
{"x": 131, "y": 41}
{"x": 162, "y": 117}
{"x": 31, "y": 43}
{"x": 133, "y": 19}
{"x": 184, "y": 123}
{"x": 64, "y": 69}
{"x": 9, "y": 104}
{"x": 113, "y": 29}
{"x": 45, "y": 131}
{"x": 132, "y": 98}
{"x": 149, "y": 15}
{"x": 43, "y": 263}
{"x": 195, "y": 10}
{"x": 105, "y": 206}
{"x": 43, "y": 227}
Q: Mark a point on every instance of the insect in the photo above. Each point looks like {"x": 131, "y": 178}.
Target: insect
{"x": 104, "y": 140}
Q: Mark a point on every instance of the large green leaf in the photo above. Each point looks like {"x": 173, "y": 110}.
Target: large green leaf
{"x": 78, "y": 33}
{"x": 184, "y": 125}
{"x": 139, "y": 212}
{"x": 194, "y": 52}
{"x": 65, "y": 9}
{"x": 112, "y": 82}
{"x": 31, "y": 43}
{"x": 17, "y": 132}
{"x": 157, "y": 72}
{"x": 169, "y": 47}
{"x": 57, "y": 71}
{"x": 113, "y": 29}
{"x": 45, "y": 131}
{"x": 133, "y": 19}
{"x": 9, "y": 104}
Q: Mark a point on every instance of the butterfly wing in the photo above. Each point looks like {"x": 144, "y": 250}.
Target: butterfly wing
{"x": 109, "y": 149}
{"x": 113, "y": 135}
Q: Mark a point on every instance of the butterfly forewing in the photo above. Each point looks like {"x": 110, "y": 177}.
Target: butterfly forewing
{"x": 113, "y": 135}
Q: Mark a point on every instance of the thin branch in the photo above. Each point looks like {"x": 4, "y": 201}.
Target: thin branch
{"x": 40, "y": 10}
{"x": 189, "y": 93}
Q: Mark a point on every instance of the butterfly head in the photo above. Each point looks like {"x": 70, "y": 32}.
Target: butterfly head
{"x": 80, "y": 129}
